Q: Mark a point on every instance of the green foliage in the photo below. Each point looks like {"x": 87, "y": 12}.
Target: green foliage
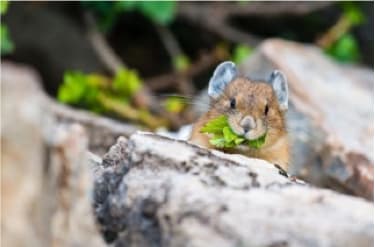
{"x": 174, "y": 104}
{"x": 161, "y": 12}
{"x": 3, "y": 6}
{"x": 181, "y": 63}
{"x": 353, "y": 12}
{"x": 126, "y": 83}
{"x": 87, "y": 90}
{"x": 6, "y": 44}
{"x": 224, "y": 137}
{"x": 345, "y": 49}
{"x": 81, "y": 90}
{"x": 241, "y": 52}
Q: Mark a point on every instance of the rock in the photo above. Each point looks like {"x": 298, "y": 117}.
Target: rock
{"x": 331, "y": 118}
{"x": 22, "y": 158}
{"x": 102, "y": 131}
{"x": 155, "y": 191}
{"x": 67, "y": 185}
{"x": 45, "y": 177}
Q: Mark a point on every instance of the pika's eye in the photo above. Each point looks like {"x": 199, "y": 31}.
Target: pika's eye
{"x": 233, "y": 103}
{"x": 266, "y": 110}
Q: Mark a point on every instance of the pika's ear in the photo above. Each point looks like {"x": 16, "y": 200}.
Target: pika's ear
{"x": 223, "y": 74}
{"x": 280, "y": 86}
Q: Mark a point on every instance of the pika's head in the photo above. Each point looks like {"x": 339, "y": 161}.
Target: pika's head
{"x": 253, "y": 108}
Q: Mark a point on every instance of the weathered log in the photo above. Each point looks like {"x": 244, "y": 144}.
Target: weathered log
{"x": 155, "y": 191}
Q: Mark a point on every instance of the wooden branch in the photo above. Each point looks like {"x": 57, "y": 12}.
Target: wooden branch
{"x": 101, "y": 46}
{"x": 184, "y": 85}
{"x": 215, "y": 16}
{"x": 169, "y": 41}
{"x": 170, "y": 79}
{"x": 342, "y": 26}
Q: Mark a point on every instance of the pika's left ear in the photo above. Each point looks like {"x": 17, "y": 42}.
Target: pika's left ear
{"x": 280, "y": 86}
{"x": 223, "y": 75}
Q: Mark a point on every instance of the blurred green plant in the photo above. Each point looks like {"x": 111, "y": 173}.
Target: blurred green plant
{"x": 345, "y": 49}
{"x": 181, "y": 62}
{"x": 241, "y": 52}
{"x": 338, "y": 42}
{"x": 174, "y": 104}
{"x": 352, "y": 12}
{"x": 126, "y": 83}
{"x": 6, "y": 43}
{"x": 161, "y": 12}
{"x": 105, "y": 95}
{"x": 3, "y": 6}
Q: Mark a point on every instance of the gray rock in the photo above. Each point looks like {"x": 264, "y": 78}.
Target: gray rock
{"x": 46, "y": 182}
{"x": 331, "y": 120}
{"x": 155, "y": 191}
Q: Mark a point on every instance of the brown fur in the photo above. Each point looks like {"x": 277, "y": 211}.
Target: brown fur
{"x": 251, "y": 99}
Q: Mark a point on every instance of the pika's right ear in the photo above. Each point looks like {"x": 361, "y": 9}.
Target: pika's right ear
{"x": 223, "y": 74}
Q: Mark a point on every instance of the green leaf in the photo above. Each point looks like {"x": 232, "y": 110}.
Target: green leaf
{"x": 174, "y": 104}
{"x": 6, "y": 44}
{"x": 218, "y": 142}
{"x": 161, "y": 12}
{"x": 215, "y": 126}
{"x": 239, "y": 140}
{"x": 224, "y": 137}
{"x": 3, "y": 6}
{"x": 345, "y": 49}
{"x": 181, "y": 62}
{"x": 353, "y": 13}
{"x": 241, "y": 52}
{"x": 77, "y": 89}
{"x": 229, "y": 136}
{"x": 258, "y": 142}
{"x": 126, "y": 83}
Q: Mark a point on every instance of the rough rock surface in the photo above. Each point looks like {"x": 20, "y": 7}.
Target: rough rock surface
{"x": 331, "y": 118}
{"x": 155, "y": 191}
{"x": 46, "y": 182}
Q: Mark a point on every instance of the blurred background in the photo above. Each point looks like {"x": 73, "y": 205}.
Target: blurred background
{"x": 144, "y": 61}
{"x": 118, "y": 67}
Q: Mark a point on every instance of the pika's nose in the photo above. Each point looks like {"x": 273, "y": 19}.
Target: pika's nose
{"x": 247, "y": 123}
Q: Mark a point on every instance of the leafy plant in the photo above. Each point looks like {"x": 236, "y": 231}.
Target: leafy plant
{"x": 161, "y": 12}
{"x": 224, "y": 137}
{"x": 3, "y": 6}
{"x": 181, "y": 62}
{"x": 174, "y": 104}
{"x": 126, "y": 83}
{"x": 241, "y": 52}
{"x": 345, "y": 49}
{"x": 6, "y": 44}
{"x": 339, "y": 42}
{"x": 107, "y": 95}
{"x": 352, "y": 13}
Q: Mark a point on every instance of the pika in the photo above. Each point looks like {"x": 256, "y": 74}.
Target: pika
{"x": 253, "y": 109}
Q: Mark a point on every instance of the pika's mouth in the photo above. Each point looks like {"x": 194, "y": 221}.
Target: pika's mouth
{"x": 250, "y": 130}
{"x": 254, "y": 134}
{"x": 251, "y": 135}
